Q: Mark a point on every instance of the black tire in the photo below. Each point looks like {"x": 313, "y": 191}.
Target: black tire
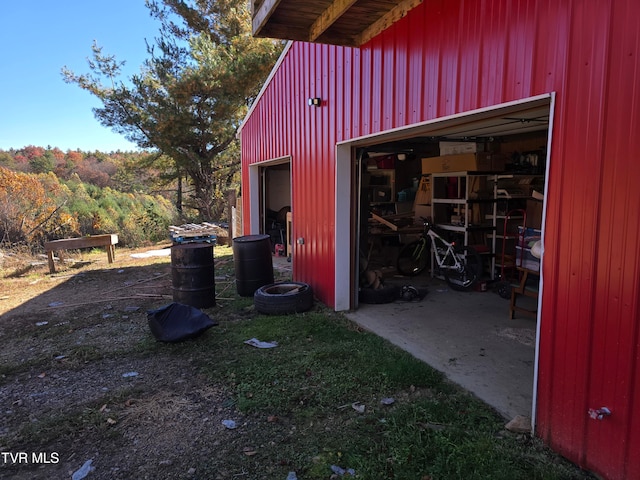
{"x": 283, "y": 298}
{"x": 408, "y": 264}
{"x": 504, "y": 289}
{"x": 470, "y": 273}
{"x": 385, "y": 294}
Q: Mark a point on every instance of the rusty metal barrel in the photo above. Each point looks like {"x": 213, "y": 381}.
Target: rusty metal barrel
{"x": 192, "y": 274}
{"x": 253, "y": 263}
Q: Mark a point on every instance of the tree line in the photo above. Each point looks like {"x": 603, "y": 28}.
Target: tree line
{"x": 116, "y": 169}
{"x": 46, "y": 194}
{"x": 183, "y": 110}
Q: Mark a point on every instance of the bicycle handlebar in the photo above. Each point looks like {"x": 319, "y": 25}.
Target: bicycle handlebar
{"x": 426, "y": 222}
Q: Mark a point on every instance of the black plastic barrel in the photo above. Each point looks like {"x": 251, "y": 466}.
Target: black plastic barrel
{"x": 253, "y": 263}
{"x": 193, "y": 275}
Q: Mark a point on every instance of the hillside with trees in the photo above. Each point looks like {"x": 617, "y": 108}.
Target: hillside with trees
{"x": 47, "y": 194}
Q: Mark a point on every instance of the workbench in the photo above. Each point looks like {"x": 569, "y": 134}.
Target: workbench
{"x": 109, "y": 241}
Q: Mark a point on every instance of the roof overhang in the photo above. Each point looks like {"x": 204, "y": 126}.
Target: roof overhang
{"x": 337, "y": 22}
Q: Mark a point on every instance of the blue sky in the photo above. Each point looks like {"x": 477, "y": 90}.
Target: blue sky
{"x": 37, "y": 39}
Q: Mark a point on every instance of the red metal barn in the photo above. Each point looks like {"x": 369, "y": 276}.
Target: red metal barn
{"x": 428, "y": 68}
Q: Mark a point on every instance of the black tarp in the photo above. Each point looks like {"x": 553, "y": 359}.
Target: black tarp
{"x": 176, "y": 322}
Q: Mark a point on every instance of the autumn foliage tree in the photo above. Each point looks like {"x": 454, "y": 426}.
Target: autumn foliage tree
{"x": 35, "y": 208}
{"x": 202, "y": 73}
{"x": 31, "y": 207}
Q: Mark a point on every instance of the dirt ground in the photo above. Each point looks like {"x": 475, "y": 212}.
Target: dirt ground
{"x": 82, "y": 378}
{"x": 84, "y": 385}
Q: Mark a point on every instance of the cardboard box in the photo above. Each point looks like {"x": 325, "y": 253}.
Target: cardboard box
{"x": 534, "y": 213}
{"x": 467, "y": 162}
{"x": 456, "y": 148}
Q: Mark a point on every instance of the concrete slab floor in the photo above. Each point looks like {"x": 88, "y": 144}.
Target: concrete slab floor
{"x": 466, "y": 335}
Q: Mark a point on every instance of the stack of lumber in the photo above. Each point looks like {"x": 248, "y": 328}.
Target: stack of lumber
{"x": 400, "y": 223}
{"x": 193, "y": 233}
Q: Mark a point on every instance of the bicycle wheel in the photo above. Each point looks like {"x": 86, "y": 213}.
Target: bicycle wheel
{"x": 413, "y": 258}
{"x": 469, "y": 273}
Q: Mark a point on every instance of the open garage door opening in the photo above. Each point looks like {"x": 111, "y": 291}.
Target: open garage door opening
{"x": 480, "y": 180}
{"x": 273, "y": 203}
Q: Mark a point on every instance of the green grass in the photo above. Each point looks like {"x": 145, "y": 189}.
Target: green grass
{"x": 319, "y": 363}
{"x": 323, "y": 364}
{"x": 295, "y": 401}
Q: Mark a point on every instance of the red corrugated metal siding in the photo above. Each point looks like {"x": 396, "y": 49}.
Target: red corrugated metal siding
{"x": 453, "y": 56}
{"x": 615, "y": 356}
{"x": 589, "y": 344}
{"x": 568, "y": 308}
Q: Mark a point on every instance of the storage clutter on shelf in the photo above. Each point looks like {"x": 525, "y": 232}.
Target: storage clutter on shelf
{"x": 527, "y": 239}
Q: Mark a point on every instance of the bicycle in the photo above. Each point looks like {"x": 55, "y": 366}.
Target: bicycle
{"x": 461, "y": 266}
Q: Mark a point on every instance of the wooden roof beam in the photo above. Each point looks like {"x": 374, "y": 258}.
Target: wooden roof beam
{"x": 266, "y": 9}
{"x": 328, "y": 17}
{"x": 386, "y": 21}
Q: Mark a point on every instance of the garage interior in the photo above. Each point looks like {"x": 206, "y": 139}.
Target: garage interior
{"x": 487, "y": 193}
{"x": 275, "y": 206}
{"x": 481, "y": 181}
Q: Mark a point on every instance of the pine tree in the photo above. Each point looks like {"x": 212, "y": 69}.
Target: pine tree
{"x": 203, "y": 72}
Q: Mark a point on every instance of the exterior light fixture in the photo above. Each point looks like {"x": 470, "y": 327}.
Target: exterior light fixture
{"x": 315, "y": 102}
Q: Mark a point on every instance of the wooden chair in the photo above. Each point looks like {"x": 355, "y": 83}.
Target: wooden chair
{"x": 527, "y": 290}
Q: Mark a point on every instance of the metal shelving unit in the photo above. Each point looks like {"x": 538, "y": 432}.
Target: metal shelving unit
{"x": 475, "y": 206}
{"x": 461, "y": 202}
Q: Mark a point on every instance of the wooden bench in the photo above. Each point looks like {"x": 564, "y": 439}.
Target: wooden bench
{"x": 59, "y": 246}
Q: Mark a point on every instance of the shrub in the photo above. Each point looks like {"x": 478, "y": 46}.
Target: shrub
{"x": 35, "y": 208}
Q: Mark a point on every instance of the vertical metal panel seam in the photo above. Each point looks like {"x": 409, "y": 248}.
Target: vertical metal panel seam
{"x": 549, "y": 354}
{"x": 549, "y": 343}
{"x": 478, "y": 92}
{"x": 573, "y": 267}
{"x": 594, "y": 341}
{"x": 592, "y": 389}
